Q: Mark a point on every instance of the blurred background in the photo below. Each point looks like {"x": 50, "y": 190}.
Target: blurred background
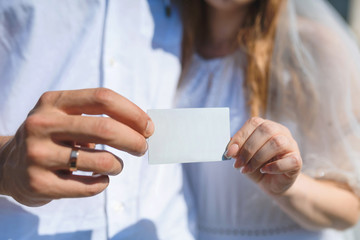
{"x": 350, "y": 11}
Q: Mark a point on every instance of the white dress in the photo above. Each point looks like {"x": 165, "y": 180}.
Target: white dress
{"x": 228, "y": 204}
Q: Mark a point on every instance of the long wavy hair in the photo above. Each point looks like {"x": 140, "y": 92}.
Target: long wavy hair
{"x": 255, "y": 37}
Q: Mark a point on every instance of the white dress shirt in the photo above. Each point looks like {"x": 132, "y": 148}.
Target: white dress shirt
{"x": 130, "y": 46}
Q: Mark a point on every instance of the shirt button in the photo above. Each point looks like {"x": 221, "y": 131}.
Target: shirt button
{"x": 112, "y": 62}
{"x": 118, "y": 206}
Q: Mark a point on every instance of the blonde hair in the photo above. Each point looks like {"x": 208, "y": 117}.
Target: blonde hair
{"x": 255, "y": 37}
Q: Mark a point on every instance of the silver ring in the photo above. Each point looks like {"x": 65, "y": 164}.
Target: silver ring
{"x": 73, "y": 159}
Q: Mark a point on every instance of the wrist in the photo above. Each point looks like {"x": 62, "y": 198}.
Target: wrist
{"x": 294, "y": 190}
{"x": 4, "y": 140}
{"x": 4, "y": 152}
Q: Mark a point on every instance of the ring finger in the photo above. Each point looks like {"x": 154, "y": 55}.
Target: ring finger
{"x": 88, "y": 159}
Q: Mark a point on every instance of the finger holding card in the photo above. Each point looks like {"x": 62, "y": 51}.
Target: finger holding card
{"x": 263, "y": 150}
{"x": 267, "y": 153}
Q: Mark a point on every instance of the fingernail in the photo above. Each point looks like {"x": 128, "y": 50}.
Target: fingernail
{"x": 225, "y": 156}
{"x": 245, "y": 169}
{"x": 237, "y": 163}
{"x": 262, "y": 170}
{"x": 146, "y": 147}
{"x": 230, "y": 152}
{"x": 149, "y": 128}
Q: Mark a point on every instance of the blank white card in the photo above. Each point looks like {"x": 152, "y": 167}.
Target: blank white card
{"x": 189, "y": 135}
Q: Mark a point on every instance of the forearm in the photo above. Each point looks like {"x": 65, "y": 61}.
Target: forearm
{"x": 316, "y": 204}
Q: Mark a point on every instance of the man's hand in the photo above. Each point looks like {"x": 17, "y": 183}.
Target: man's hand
{"x": 34, "y": 164}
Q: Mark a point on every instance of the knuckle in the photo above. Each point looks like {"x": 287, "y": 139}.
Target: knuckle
{"x": 37, "y": 121}
{"x": 279, "y": 142}
{"x": 32, "y": 122}
{"x": 36, "y": 153}
{"x": 36, "y": 183}
{"x": 46, "y": 98}
{"x": 268, "y": 128}
{"x": 255, "y": 121}
{"x": 49, "y": 97}
{"x": 245, "y": 151}
{"x": 104, "y": 127}
{"x": 103, "y": 96}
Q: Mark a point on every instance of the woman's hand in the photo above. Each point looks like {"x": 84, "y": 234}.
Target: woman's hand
{"x": 34, "y": 164}
{"x": 267, "y": 153}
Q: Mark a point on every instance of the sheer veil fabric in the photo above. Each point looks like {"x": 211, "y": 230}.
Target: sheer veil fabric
{"x": 314, "y": 89}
